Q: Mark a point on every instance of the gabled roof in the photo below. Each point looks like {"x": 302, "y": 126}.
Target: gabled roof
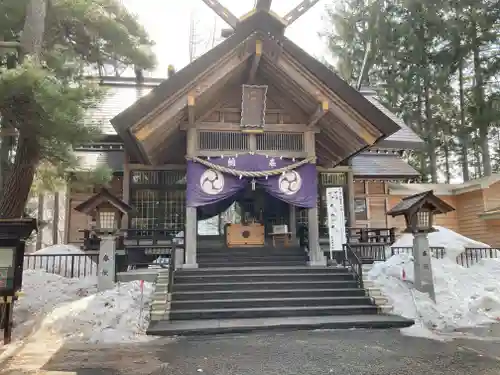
{"x": 404, "y": 138}
{"x": 271, "y": 31}
{"x": 390, "y": 166}
{"x": 103, "y": 196}
{"x": 415, "y": 202}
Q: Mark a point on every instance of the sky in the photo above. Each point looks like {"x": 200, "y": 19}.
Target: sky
{"x": 169, "y": 26}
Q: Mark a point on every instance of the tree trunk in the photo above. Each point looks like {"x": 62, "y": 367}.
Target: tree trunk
{"x": 447, "y": 162}
{"x": 34, "y": 29}
{"x": 39, "y": 234}
{"x": 18, "y": 184}
{"x": 16, "y": 188}
{"x": 463, "y": 134}
{"x": 431, "y": 134}
{"x": 479, "y": 119}
{"x": 55, "y": 220}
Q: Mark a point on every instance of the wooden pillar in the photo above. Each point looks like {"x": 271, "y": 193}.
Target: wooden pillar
{"x": 316, "y": 257}
{"x": 67, "y": 210}
{"x": 125, "y": 190}
{"x": 191, "y": 231}
{"x": 350, "y": 198}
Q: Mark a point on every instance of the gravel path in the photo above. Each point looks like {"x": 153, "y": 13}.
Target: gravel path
{"x": 367, "y": 352}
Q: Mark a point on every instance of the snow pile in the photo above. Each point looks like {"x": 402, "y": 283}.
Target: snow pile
{"x": 465, "y": 297}
{"x": 73, "y": 309}
{"x": 69, "y": 261}
{"x": 453, "y": 242}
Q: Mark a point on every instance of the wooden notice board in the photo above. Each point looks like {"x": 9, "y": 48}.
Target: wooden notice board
{"x": 245, "y": 235}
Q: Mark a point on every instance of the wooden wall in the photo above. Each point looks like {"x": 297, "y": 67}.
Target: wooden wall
{"x": 492, "y": 196}
{"x": 78, "y": 221}
{"x": 375, "y": 195}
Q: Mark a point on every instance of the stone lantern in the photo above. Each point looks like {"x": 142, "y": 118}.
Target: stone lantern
{"x": 418, "y": 211}
{"x": 105, "y": 211}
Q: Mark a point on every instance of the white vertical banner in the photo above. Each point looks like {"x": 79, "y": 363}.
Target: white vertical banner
{"x": 336, "y": 218}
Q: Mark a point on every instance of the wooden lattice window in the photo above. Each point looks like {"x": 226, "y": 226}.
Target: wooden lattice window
{"x": 223, "y": 141}
{"x": 273, "y": 141}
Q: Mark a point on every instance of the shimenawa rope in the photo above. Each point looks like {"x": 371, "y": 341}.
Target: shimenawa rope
{"x": 239, "y": 173}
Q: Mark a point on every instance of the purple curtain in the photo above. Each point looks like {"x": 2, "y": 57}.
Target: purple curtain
{"x": 206, "y": 186}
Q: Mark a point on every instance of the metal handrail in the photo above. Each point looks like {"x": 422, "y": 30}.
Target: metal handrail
{"x": 352, "y": 261}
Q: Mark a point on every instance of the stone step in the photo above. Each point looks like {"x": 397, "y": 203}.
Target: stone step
{"x": 272, "y": 312}
{"x": 262, "y": 293}
{"x": 248, "y": 303}
{"x": 220, "y": 326}
{"x": 253, "y": 259}
{"x": 259, "y": 270}
{"x": 250, "y": 278}
{"x": 386, "y": 309}
{"x": 260, "y": 263}
{"x": 266, "y": 285}
{"x": 236, "y": 253}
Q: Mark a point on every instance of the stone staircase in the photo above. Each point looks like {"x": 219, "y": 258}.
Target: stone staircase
{"x": 240, "y": 290}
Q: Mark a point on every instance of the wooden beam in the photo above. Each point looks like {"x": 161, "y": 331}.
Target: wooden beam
{"x": 223, "y": 12}
{"x": 298, "y": 11}
{"x": 4, "y": 44}
{"x": 8, "y": 132}
{"x": 191, "y": 109}
{"x": 356, "y": 122}
{"x": 320, "y": 112}
{"x": 264, "y": 5}
{"x": 228, "y": 126}
{"x": 255, "y": 63}
{"x": 177, "y": 102}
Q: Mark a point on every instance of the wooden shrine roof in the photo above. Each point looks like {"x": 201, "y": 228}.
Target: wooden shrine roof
{"x": 145, "y": 126}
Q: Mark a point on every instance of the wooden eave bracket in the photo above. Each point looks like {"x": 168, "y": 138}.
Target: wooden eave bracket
{"x": 355, "y": 123}
{"x": 321, "y": 111}
{"x": 191, "y": 102}
{"x": 255, "y": 63}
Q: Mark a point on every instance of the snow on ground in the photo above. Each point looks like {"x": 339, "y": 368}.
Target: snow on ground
{"x": 72, "y": 309}
{"x": 65, "y": 264}
{"x": 453, "y": 242}
{"x": 465, "y": 297}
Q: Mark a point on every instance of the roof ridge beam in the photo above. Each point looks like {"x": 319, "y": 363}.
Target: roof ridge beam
{"x": 223, "y": 12}
{"x": 298, "y": 11}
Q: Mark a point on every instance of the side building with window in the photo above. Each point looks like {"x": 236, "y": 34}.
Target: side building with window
{"x": 159, "y": 194}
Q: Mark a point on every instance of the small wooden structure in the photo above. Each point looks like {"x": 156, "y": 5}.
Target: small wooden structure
{"x": 418, "y": 211}
{"x": 251, "y": 234}
{"x": 280, "y": 234}
{"x": 105, "y": 209}
{"x": 105, "y": 212}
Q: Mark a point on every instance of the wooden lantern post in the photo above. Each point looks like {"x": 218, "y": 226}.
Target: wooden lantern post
{"x": 418, "y": 211}
{"x": 13, "y": 236}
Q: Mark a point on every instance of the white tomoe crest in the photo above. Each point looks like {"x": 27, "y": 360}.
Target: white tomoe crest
{"x": 212, "y": 182}
{"x": 290, "y": 182}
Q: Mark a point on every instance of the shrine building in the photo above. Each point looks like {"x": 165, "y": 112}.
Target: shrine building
{"x": 252, "y": 133}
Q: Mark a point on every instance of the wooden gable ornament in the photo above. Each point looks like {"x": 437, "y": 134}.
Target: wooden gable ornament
{"x": 105, "y": 209}
{"x": 418, "y": 211}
